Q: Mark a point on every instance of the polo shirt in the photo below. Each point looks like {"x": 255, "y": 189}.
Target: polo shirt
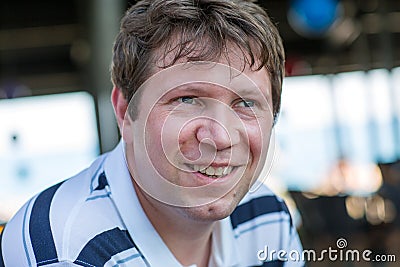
{"x": 95, "y": 219}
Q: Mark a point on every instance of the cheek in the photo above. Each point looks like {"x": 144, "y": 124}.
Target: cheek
{"x": 165, "y": 137}
{"x": 258, "y": 140}
{"x": 152, "y": 135}
{"x": 188, "y": 143}
{"x": 179, "y": 138}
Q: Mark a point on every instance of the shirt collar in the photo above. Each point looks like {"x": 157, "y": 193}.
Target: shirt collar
{"x": 224, "y": 250}
{"x": 146, "y": 238}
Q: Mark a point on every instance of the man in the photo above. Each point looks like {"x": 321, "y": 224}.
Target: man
{"x": 197, "y": 87}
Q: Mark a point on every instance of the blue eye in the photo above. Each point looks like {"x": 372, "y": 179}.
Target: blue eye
{"x": 245, "y": 103}
{"x": 187, "y": 99}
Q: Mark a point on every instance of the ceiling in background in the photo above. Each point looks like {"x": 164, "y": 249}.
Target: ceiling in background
{"x": 366, "y": 36}
{"x": 44, "y": 44}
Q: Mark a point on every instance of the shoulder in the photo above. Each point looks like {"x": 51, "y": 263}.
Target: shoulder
{"x": 262, "y": 203}
{"x": 71, "y": 221}
{"x": 262, "y": 220}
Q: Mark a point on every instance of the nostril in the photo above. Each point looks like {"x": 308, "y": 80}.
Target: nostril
{"x": 208, "y": 149}
{"x": 208, "y": 141}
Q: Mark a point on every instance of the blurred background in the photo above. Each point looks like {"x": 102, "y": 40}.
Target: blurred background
{"x": 337, "y": 145}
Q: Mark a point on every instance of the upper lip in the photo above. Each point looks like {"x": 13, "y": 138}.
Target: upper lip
{"x": 219, "y": 164}
{"x": 216, "y": 164}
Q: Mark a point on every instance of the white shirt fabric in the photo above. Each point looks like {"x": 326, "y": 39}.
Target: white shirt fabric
{"x": 95, "y": 219}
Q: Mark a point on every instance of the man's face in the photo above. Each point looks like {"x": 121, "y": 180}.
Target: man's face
{"x": 200, "y": 137}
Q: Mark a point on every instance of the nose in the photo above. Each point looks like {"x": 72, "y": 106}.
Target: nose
{"x": 218, "y": 131}
{"x": 213, "y": 134}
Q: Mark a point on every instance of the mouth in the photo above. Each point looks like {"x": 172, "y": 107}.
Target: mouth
{"x": 212, "y": 172}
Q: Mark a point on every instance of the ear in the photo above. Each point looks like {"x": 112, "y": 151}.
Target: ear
{"x": 120, "y": 105}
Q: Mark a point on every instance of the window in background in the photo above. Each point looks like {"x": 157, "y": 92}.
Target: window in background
{"x": 43, "y": 140}
{"x": 353, "y": 112}
{"x": 304, "y": 132}
{"x": 383, "y": 115}
{"x": 333, "y": 130}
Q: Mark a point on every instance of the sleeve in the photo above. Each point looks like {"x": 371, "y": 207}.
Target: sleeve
{"x": 287, "y": 250}
{"x": 262, "y": 225}
{"x": 14, "y": 247}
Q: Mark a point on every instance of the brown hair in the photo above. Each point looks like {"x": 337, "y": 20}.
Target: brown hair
{"x": 202, "y": 26}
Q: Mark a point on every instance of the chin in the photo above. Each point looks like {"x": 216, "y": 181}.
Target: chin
{"x": 216, "y": 210}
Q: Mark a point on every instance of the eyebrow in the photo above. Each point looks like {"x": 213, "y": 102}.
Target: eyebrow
{"x": 199, "y": 87}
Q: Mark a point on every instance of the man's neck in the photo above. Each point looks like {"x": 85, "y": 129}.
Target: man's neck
{"x": 187, "y": 239}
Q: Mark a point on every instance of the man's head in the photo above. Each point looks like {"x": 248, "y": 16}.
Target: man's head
{"x": 158, "y": 33}
{"x": 203, "y": 82}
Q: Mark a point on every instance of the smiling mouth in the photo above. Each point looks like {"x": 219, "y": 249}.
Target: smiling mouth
{"x": 212, "y": 172}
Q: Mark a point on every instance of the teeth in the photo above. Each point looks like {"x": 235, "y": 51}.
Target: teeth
{"x": 225, "y": 172}
{"x": 211, "y": 171}
{"x": 219, "y": 171}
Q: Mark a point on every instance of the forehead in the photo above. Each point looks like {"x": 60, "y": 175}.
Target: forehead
{"x": 229, "y": 69}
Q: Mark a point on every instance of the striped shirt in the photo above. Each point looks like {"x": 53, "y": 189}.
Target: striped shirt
{"x": 95, "y": 219}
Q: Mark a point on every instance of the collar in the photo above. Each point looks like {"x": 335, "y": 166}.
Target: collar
{"x": 224, "y": 251}
{"x": 146, "y": 238}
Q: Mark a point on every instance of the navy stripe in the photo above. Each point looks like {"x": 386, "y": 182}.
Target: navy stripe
{"x": 275, "y": 263}
{"x": 1, "y": 252}
{"x": 103, "y": 246}
{"x": 102, "y": 182}
{"x": 40, "y": 229}
{"x": 256, "y": 207}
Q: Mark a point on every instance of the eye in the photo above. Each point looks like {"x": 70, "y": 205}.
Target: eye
{"x": 187, "y": 100}
{"x": 245, "y": 103}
